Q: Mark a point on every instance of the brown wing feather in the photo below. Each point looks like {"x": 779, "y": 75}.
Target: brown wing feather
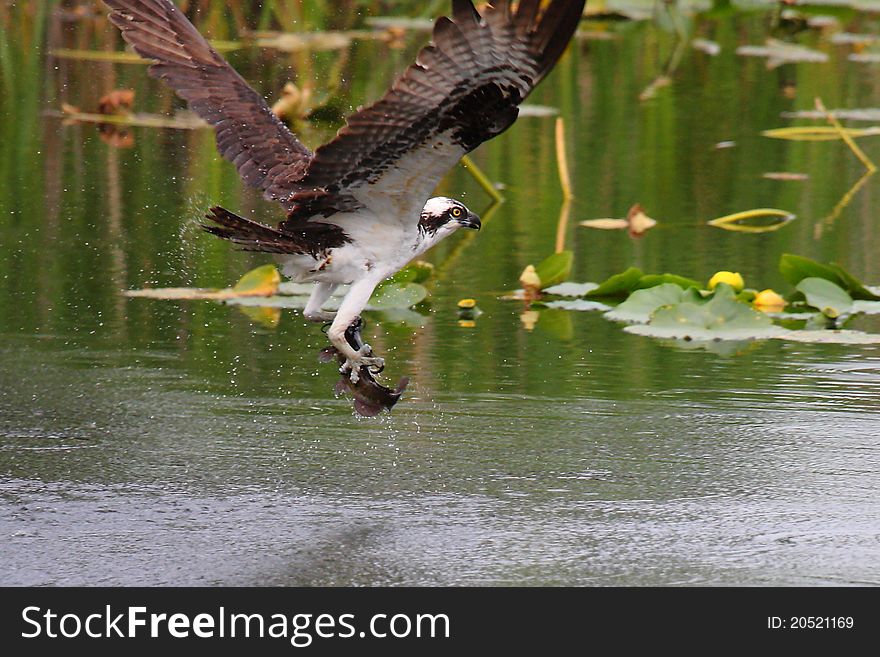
{"x": 464, "y": 89}
{"x": 267, "y": 155}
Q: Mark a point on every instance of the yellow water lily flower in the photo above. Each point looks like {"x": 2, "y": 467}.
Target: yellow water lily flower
{"x": 467, "y": 304}
{"x": 733, "y": 279}
{"x": 769, "y": 301}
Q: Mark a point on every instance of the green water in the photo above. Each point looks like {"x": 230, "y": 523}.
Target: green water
{"x": 147, "y": 442}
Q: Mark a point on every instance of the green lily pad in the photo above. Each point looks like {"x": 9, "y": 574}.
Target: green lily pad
{"x": 653, "y": 280}
{"x": 415, "y": 272}
{"x": 831, "y": 337}
{"x": 397, "y": 295}
{"x": 832, "y": 300}
{"x": 260, "y": 281}
{"x": 794, "y": 269}
{"x": 856, "y": 289}
{"x": 866, "y": 307}
{"x": 388, "y": 297}
{"x": 555, "y": 269}
{"x": 641, "y": 304}
{"x": 577, "y": 305}
{"x": 619, "y": 285}
{"x": 571, "y": 289}
{"x": 721, "y": 318}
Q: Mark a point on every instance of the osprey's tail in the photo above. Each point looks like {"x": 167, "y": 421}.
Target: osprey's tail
{"x": 312, "y": 238}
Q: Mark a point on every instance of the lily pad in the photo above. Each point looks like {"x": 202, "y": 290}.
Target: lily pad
{"x": 721, "y": 318}
{"x": 578, "y": 305}
{"x": 641, "y": 304}
{"x": 555, "y": 269}
{"x": 261, "y": 282}
{"x": 397, "y": 295}
{"x": 818, "y": 132}
{"x": 571, "y": 289}
{"x": 606, "y": 224}
{"x": 653, "y": 280}
{"x": 762, "y": 220}
{"x": 831, "y": 337}
{"x": 619, "y": 285}
{"x": 795, "y": 268}
{"x": 866, "y": 307}
{"x": 825, "y": 296}
{"x": 856, "y": 289}
{"x": 779, "y": 52}
{"x": 415, "y": 272}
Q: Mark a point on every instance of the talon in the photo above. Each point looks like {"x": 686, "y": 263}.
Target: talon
{"x": 363, "y": 358}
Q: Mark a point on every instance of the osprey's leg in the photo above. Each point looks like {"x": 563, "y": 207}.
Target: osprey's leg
{"x": 349, "y": 312}
{"x": 319, "y": 297}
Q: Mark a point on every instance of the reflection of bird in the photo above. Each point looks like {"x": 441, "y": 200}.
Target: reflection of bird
{"x": 358, "y": 207}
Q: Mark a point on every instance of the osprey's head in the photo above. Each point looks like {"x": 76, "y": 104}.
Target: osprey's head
{"x": 443, "y": 216}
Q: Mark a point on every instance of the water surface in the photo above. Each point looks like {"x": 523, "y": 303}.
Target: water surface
{"x": 146, "y": 442}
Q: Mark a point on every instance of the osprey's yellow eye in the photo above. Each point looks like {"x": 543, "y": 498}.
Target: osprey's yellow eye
{"x": 456, "y": 212}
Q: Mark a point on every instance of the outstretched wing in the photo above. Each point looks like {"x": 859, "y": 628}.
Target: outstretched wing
{"x": 267, "y": 155}
{"x": 464, "y": 89}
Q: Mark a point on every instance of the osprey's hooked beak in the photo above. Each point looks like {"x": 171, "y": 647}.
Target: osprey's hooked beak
{"x": 471, "y": 221}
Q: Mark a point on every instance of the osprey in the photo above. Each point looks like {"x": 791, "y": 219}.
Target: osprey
{"x": 358, "y": 208}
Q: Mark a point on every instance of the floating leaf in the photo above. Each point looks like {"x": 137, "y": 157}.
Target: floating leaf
{"x": 577, "y": 305}
{"x": 642, "y": 303}
{"x": 796, "y": 268}
{"x": 260, "y": 282}
{"x": 555, "y": 269}
{"x": 401, "y": 295}
{"x": 652, "y": 280}
{"x": 405, "y": 316}
{"x": 619, "y": 285}
{"x": 537, "y": 111}
{"x": 829, "y": 298}
{"x": 720, "y": 318}
{"x": 818, "y": 133}
{"x": 638, "y": 222}
{"x": 415, "y": 272}
{"x": 865, "y": 57}
{"x": 780, "y": 52}
{"x": 856, "y": 289}
{"x": 571, "y": 289}
{"x": 865, "y": 114}
{"x": 606, "y": 224}
{"x": 177, "y": 293}
{"x": 754, "y": 221}
{"x": 850, "y": 38}
{"x": 866, "y": 307}
{"x": 831, "y": 337}
{"x": 785, "y": 176}
{"x": 711, "y": 48}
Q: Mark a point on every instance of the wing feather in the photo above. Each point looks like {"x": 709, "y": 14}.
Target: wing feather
{"x": 267, "y": 155}
{"x": 465, "y": 88}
